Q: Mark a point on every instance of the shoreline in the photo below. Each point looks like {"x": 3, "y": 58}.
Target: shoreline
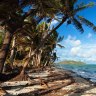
{"x": 88, "y": 79}
{"x": 50, "y": 82}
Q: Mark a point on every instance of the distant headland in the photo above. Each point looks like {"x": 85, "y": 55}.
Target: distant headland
{"x": 71, "y": 62}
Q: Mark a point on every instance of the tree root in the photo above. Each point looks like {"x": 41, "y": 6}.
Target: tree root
{"x": 3, "y": 92}
{"x": 21, "y": 77}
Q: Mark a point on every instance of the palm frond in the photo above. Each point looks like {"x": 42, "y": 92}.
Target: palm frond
{"x": 60, "y": 39}
{"x": 78, "y": 25}
{"x": 87, "y": 22}
{"x": 82, "y": 6}
{"x": 94, "y": 28}
{"x": 60, "y": 46}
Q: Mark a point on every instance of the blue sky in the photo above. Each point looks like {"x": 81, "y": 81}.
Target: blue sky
{"x": 79, "y": 46}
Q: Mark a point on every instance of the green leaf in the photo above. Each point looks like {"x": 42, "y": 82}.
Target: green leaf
{"x": 60, "y": 46}
{"x": 87, "y": 22}
{"x": 78, "y": 25}
{"x": 82, "y": 6}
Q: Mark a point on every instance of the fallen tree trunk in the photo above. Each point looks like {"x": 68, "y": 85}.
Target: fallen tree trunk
{"x": 53, "y": 88}
{"x": 40, "y": 80}
{"x": 41, "y": 92}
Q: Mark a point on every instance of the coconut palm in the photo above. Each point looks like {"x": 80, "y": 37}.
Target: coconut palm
{"x": 8, "y": 18}
{"x": 70, "y": 14}
{"x": 13, "y": 18}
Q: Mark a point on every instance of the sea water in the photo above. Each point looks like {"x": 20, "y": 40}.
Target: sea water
{"x": 85, "y": 70}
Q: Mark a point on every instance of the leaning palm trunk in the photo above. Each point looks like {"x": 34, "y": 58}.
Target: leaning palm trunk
{"x": 22, "y": 75}
{"x": 27, "y": 61}
{"x": 47, "y": 62}
{"x": 4, "y": 49}
{"x": 12, "y": 52}
{"x": 35, "y": 60}
{"x": 25, "y": 65}
{"x": 38, "y": 59}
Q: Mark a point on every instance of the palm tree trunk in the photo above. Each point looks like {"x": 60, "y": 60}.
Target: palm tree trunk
{"x": 28, "y": 58}
{"x": 25, "y": 65}
{"x": 12, "y": 52}
{"x": 39, "y": 55}
{"x": 39, "y": 59}
{"x": 22, "y": 75}
{"x": 4, "y": 49}
{"x": 50, "y": 33}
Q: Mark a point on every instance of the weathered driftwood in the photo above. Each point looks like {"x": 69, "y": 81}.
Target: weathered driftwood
{"x": 73, "y": 92}
{"x": 47, "y": 76}
{"x": 43, "y": 90}
{"x": 36, "y": 70}
{"x": 56, "y": 87}
{"x": 38, "y": 81}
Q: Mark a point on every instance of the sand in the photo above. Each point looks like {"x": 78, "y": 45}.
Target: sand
{"x": 54, "y": 82}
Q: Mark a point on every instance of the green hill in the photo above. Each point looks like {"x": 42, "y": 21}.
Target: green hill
{"x": 71, "y": 62}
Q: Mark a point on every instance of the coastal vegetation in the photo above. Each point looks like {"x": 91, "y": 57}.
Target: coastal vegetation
{"x": 27, "y": 38}
{"x": 71, "y": 62}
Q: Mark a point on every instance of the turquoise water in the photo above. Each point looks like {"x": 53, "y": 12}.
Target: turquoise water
{"x": 85, "y": 70}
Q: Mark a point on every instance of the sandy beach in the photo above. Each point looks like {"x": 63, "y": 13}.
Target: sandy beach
{"x": 49, "y": 82}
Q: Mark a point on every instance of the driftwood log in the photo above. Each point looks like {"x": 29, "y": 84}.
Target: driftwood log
{"x": 41, "y": 81}
{"x": 53, "y": 88}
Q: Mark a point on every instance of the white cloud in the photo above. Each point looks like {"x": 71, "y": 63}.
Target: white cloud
{"x": 69, "y": 37}
{"x": 72, "y": 41}
{"x": 54, "y": 22}
{"x": 84, "y": 55}
{"x": 89, "y": 35}
{"x": 77, "y": 42}
{"x": 87, "y": 51}
{"x": 74, "y": 51}
{"x": 77, "y": 50}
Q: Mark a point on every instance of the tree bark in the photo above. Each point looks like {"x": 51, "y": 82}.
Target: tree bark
{"x": 12, "y": 56}
{"x": 25, "y": 65}
{"x": 27, "y": 60}
{"x": 4, "y": 49}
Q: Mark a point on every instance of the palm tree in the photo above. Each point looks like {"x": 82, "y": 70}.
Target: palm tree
{"x": 13, "y": 51}
{"x": 13, "y": 18}
{"x": 8, "y": 13}
{"x": 70, "y": 13}
{"x": 69, "y": 16}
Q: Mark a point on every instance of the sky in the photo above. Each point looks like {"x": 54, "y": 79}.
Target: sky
{"x": 79, "y": 47}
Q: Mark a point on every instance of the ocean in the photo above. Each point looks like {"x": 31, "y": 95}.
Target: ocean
{"x": 84, "y": 70}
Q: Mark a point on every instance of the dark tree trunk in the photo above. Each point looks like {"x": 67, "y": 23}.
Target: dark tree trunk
{"x": 5, "y": 48}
